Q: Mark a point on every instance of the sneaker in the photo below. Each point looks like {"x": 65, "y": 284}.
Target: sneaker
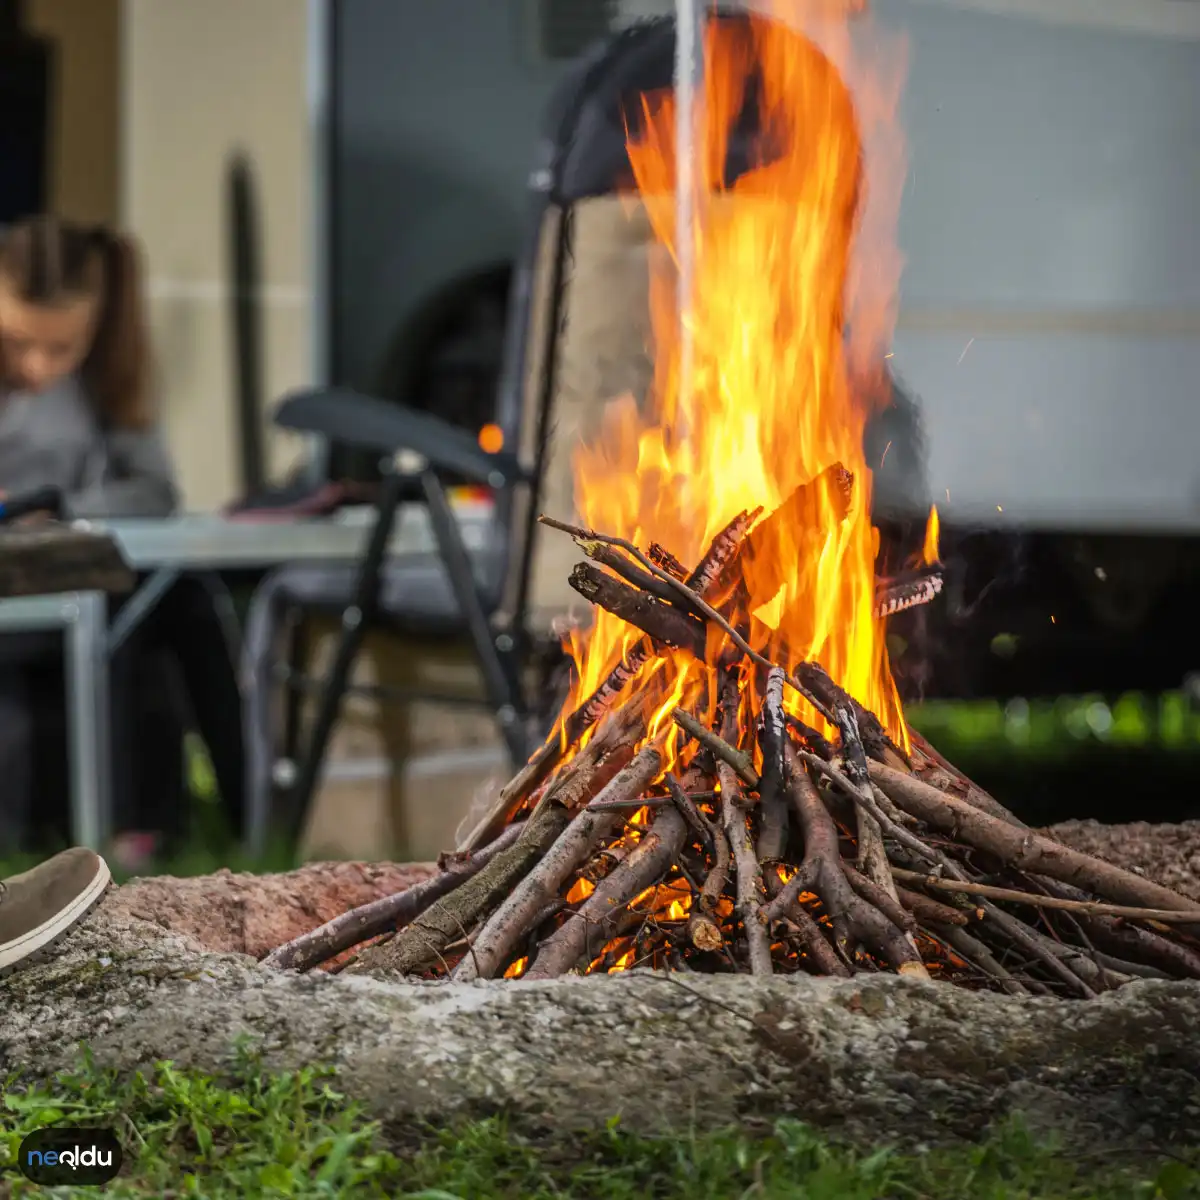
{"x": 38, "y": 906}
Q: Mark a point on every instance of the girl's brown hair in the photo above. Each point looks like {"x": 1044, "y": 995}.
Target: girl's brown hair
{"x": 46, "y": 260}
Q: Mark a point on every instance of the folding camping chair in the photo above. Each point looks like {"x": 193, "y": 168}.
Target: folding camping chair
{"x": 578, "y": 331}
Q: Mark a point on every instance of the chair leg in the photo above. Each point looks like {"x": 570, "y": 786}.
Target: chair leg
{"x": 293, "y": 704}
{"x": 354, "y": 625}
{"x": 501, "y": 674}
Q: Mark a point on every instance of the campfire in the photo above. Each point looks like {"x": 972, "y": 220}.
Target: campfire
{"x": 732, "y": 786}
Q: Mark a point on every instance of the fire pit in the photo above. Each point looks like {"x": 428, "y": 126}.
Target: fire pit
{"x": 733, "y": 787}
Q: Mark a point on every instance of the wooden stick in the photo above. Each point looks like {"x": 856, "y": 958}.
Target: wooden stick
{"x": 854, "y": 920}
{"x": 771, "y": 546}
{"x": 622, "y": 727}
{"x": 575, "y": 843}
{"x": 700, "y": 825}
{"x": 1131, "y": 941}
{"x": 772, "y": 837}
{"x": 925, "y": 909}
{"x": 700, "y": 605}
{"x": 421, "y": 943}
{"x": 704, "y": 930}
{"x": 749, "y": 888}
{"x": 585, "y": 932}
{"x": 748, "y": 873}
{"x": 665, "y": 625}
{"x": 1024, "y": 850}
{"x": 819, "y": 950}
{"x": 815, "y": 741}
{"x": 1097, "y": 908}
{"x": 739, "y": 760}
{"x": 909, "y": 590}
{"x": 880, "y": 897}
{"x": 631, "y": 573}
{"x": 974, "y": 951}
{"x": 369, "y": 920}
{"x": 816, "y": 681}
{"x": 802, "y": 881}
{"x": 628, "y": 802}
{"x": 643, "y": 653}
{"x": 660, "y": 556}
{"x": 724, "y": 549}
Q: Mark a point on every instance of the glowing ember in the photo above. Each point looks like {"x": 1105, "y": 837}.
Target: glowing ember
{"x": 774, "y": 403}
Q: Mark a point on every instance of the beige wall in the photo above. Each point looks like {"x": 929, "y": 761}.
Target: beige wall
{"x": 85, "y": 110}
{"x": 202, "y": 80}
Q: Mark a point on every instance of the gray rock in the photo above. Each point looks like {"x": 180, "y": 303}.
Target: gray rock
{"x": 871, "y": 1058}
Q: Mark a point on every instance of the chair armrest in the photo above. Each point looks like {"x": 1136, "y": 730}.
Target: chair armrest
{"x": 370, "y": 423}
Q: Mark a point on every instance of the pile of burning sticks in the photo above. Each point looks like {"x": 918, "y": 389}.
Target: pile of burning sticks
{"x": 830, "y": 857}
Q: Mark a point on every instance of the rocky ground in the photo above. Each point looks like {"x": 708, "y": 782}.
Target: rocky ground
{"x": 166, "y": 968}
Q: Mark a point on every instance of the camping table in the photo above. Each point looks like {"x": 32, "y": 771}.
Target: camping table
{"x": 161, "y": 550}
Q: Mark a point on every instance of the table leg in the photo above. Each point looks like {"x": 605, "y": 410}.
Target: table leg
{"x": 86, "y": 661}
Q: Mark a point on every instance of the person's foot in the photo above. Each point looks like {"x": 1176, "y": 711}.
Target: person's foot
{"x": 38, "y": 906}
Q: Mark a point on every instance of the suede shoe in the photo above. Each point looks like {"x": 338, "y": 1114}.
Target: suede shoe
{"x": 38, "y": 906}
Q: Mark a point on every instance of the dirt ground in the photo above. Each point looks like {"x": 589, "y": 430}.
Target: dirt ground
{"x": 1168, "y": 854}
{"x": 252, "y": 914}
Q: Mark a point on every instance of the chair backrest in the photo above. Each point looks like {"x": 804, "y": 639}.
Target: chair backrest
{"x": 579, "y": 313}
{"x": 580, "y": 325}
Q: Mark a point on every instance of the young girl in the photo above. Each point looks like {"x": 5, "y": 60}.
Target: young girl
{"x": 75, "y": 414}
{"x": 76, "y": 408}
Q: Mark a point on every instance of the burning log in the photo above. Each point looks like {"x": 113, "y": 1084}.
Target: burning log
{"x": 783, "y": 850}
{"x": 909, "y": 590}
{"x": 585, "y": 932}
{"x": 724, "y": 546}
{"x": 574, "y": 845}
{"x": 662, "y": 623}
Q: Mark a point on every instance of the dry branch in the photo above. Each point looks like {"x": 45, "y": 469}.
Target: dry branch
{"x": 585, "y": 932}
{"x": 379, "y": 916}
{"x": 1096, "y": 908}
{"x": 664, "y": 624}
{"x": 747, "y": 870}
{"x": 574, "y": 845}
{"x": 739, "y": 760}
{"x": 1023, "y": 850}
{"x": 421, "y": 944}
{"x": 854, "y": 920}
{"x": 772, "y": 838}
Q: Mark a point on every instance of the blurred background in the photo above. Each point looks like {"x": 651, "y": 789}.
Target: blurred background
{"x": 335, "y": 191}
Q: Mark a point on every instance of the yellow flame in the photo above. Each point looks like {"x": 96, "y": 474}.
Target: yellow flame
{"x": 929, "y": 552}
{"x": 780, "y": 393}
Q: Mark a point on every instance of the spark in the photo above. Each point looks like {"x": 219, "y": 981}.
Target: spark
{"x": 883, "y": 456}
{"x": 965, "y": 349}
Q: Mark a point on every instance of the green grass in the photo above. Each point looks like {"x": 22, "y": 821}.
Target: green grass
{"x": 1061, "y": 727}
{"x": 255, "y": 1134}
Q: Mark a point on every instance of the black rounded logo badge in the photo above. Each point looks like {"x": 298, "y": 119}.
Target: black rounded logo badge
{"x": 60, "y": 1156}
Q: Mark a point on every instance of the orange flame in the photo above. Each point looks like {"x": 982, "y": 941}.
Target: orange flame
{"x": 929, "y": 552}
{"x": 785, "y": 323}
